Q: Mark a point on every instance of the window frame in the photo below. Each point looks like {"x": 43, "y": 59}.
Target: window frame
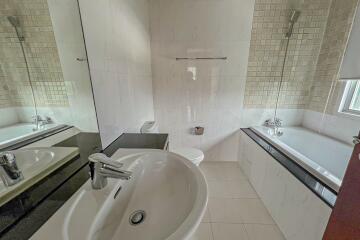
{"x": 348, "y": 96}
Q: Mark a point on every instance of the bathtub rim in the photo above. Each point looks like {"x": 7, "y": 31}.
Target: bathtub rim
{"x": 318, "y": 187}
{"x": 321, "y": 174}
{"x": 21, "y": 142}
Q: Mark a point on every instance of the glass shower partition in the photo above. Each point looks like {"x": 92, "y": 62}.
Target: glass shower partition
{"x": 312, "y": 95}
{"x": 16, "y": 93}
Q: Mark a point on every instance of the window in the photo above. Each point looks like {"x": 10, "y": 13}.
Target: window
{"x": 351, "y": 100}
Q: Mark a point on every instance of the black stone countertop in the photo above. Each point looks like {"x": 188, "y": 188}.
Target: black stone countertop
{"x": 24, "y": 215}
{"x": 137, "y": 140}
{"x": 27, "y": 213}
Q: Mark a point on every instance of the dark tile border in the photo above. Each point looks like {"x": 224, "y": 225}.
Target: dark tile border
{"x": 324, "y": 192}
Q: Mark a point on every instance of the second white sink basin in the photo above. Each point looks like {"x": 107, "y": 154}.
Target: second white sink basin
{"x": 169, "y": 190}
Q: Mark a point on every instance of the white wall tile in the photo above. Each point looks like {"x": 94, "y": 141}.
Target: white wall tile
{"x": 9, "y": 116}
{"x": 205, "y": 93}
{"x": 337, "y": 125}
{"x": 257, "y": 116}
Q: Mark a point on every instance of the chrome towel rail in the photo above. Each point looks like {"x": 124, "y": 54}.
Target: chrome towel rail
{"x": 203, "y": 58}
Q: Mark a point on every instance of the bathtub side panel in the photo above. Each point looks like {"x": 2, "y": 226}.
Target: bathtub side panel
{"x": 299, "y": 213}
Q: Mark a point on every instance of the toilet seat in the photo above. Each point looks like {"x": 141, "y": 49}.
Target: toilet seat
{"x": 194, "y": 155}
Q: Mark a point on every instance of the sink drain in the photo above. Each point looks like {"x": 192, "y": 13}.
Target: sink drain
{"x": 137, "y": 217}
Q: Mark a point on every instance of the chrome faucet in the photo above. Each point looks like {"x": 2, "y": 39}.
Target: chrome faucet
{"x": 103, "y": 167}
{"x": 275, "y": 124}
{"x": 36, "y": 120}
{"x": 9, "y": 171}
{"x": 39, "y": 122}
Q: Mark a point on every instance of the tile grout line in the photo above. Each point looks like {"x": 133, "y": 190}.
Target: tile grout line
{"x": 212, "y": 232}
{"x": 242, "y": 179}
{"x": 233, "y": 198}
{"x": 246, "y": 232}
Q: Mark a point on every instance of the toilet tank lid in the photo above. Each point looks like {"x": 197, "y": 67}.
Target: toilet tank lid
{"x": 149, "y": 126}
{"x": 192, "y": 154}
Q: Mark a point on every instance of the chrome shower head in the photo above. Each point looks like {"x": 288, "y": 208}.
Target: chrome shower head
{"x": 294, "y": 16}
{"x": 14, "y": 21}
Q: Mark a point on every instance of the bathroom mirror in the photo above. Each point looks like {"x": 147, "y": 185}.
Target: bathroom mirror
{"x": 44, "y": 76}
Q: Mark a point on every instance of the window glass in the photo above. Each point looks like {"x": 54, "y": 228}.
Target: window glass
{"x": 355, "y": 99}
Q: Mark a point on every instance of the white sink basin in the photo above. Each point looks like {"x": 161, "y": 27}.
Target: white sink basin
{"x": 35, "y": 164}
{"x": 168, "y": 188}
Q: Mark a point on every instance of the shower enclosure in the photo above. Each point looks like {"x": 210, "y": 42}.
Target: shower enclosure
{"x": 276, "y": 122}
{"x": 305, "y": 88}
{"x": 309, "y": 91}
{"x": 20, "y": 83}
{"x": 302, "y": 60}
{"x": 14, "y": 21}
{"x": 44, "y": 84}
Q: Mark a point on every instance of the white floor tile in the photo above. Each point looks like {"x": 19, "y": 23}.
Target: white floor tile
{"x": 231, "y": 189}
{"x": 221, "y": 164}
{"x": 203, "y": 232}
{"x": 225, "y": 210}
{"x": 206, "y": 218}
{"x": 253, "y": 211}
{"x": 225, "y": 231}
{"x": 241, "y": 210}
{"x": 234, "y": 210}
{"x": 261, "y": 232}
{"x": 222, "y": 172}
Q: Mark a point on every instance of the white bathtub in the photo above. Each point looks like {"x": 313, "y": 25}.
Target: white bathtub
{"x": 19, "y": 132}
{"x": 324, "y": 157}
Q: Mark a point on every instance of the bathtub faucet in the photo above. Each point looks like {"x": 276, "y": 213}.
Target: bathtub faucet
{"x": 275, "y": 124}
{"x": 40, "y": 122}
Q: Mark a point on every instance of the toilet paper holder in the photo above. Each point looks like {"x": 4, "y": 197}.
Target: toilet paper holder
{"x": 199, "y": 130}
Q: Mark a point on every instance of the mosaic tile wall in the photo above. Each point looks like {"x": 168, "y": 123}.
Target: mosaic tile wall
{"x": 41, "y": 52}
{"x": 267, "y": 51}
{"x": 326, "y": 76}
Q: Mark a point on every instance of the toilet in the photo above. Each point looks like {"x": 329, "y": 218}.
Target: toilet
{"x": 194, "y": 155}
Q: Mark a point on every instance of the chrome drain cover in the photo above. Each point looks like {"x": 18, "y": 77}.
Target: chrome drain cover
{"x": 137, "y": 217}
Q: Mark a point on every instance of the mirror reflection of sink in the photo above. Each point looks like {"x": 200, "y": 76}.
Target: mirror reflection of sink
{"x": 164, "y": 200}
{"x": 30, "y": 160}
{"x": 35, "y": 164}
